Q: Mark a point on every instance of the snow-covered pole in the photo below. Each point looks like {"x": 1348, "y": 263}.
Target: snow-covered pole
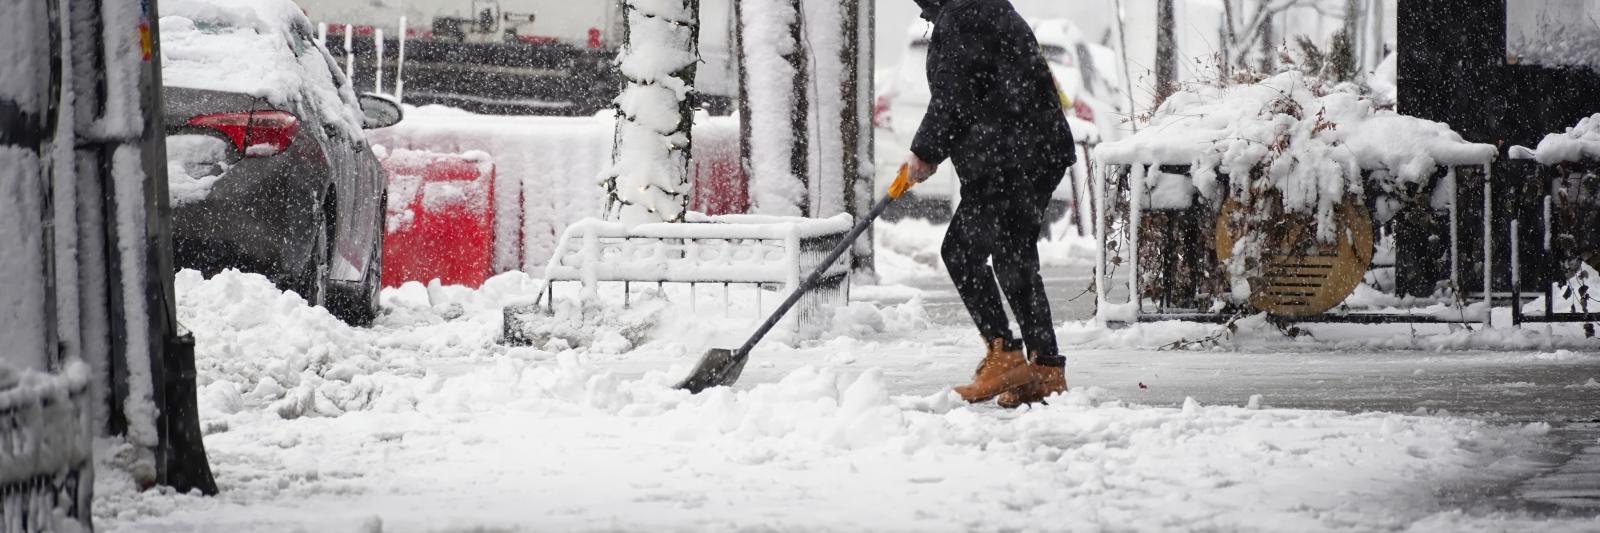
{"x": 322, "y": 33}
{"x": 377, "y": 43}
{"x": 1488, "y": 246}
{"x": 773, "y": 106}
{"x": 649, "y": 177}
{"x": 400, "y": 64}
{"x": 1127, "y": 73}
{"x": 349, "y": 52}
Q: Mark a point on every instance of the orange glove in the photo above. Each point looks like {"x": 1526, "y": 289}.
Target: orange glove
{"x": 902, "y": 183}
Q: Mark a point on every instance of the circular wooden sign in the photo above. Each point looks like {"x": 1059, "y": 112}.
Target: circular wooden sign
{"x": 1308, "y": 284}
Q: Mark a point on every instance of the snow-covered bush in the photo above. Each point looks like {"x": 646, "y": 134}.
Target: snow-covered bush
{"x": 1579, "y": 143}
{"x": 1288, "y": 152}
{"x": 649, "y": 178}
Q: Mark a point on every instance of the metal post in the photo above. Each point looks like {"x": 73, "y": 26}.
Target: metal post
{"x": 1516, "y": 277}
{"x": 377, "y": 44}
{"x": 1549, "y": 286}
{"x": 1488, "y": 246}
{"x": 1455, "y": 234}
{"x": 1097, "y": 196}
{"x": 400, "y": 64}
{"x": 349, "y": 54}
{"x": 1135, "y": 222}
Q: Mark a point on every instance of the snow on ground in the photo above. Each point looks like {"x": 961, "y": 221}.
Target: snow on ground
{"x": 424, "y": 423}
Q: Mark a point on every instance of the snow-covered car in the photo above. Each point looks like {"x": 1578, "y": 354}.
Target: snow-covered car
{"x": 269, "y": 169}
{"x": 1082, "y": 75}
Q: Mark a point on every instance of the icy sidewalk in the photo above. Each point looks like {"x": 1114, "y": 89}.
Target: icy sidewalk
{"x": 423, "y": 424}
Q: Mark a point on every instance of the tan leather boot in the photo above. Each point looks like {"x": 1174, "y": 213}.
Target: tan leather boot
{"x": 1043, "y": 381}
{"x": 1000, "y": 371}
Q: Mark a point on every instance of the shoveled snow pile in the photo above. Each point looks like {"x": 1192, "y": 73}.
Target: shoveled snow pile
{"x": 1315, "y": 143}
{"x": 424, "y": 424}
{"x": 1579, "y": 143}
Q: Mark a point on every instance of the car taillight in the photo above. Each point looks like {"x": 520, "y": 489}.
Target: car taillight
{"x": 1084, "y": 112}
{"x": 257, "y": 133}
{"x": 880, "y": 113}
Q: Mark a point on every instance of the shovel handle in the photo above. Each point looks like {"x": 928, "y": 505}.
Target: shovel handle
{"x": 901, "y": 185}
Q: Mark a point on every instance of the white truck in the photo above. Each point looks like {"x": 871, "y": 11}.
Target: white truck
{"x": 510, "y": 56}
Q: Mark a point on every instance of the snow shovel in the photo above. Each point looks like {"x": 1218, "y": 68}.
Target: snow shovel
{"x": 721, "y": 366}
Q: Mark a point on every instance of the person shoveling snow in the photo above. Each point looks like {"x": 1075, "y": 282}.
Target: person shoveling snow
{"x": 996, "y": 114}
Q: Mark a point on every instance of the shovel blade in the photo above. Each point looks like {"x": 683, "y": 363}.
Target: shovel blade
{"x": 719, "y": 367}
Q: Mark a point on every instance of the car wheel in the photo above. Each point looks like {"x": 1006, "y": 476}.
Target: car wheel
{"x": 360, "y": 307}
{"x": 314, "y": 286}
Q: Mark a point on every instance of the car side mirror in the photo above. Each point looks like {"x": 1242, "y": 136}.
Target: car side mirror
{"x": 380, "y": 111}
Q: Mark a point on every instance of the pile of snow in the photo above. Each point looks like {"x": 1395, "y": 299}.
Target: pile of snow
{"x": 256, "y": 47}
{"x": 1579, "y": 143}
{"x": 1316, "y": 142}
{"x": 467, "y": 442}
{"x": 423, "y": 423}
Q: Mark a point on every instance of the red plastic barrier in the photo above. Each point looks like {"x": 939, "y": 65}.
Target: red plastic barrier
{"x": 440, "y": 221}
{"x": 720, "y": 187}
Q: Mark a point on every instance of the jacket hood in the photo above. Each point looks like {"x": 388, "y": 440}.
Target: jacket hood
{"x": 931, "y": 8}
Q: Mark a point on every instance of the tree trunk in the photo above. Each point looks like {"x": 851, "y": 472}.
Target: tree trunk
{"x": 1269, "y": 39}
{"x": 649, "y": 177}
{"x": 1230, "y": 38}
{"x": 856, "y": 118}
{"x": 800, "y": 111}
{"x": 1347, "y": 58}
{"x": 1166, "y": 51}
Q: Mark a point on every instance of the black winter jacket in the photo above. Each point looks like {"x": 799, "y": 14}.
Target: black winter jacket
{"x": 995, "y": 109}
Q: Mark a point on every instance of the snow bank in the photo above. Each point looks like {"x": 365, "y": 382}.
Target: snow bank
{"x": 423, "y": 424}
{"x": 1579, "y": 143}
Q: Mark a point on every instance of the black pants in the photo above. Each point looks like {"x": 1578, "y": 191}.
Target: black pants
{"x": 1004, "y": 229}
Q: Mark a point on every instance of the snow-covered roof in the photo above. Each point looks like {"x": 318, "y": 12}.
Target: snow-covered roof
{"x": 1579, "y": 143}
{"x": 1230, "y": 129}
{"x": 256, "y": 47}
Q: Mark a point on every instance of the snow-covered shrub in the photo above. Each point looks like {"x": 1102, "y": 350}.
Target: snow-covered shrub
{"x": 649, "y": 178}
{"x": 1287, "y": 152}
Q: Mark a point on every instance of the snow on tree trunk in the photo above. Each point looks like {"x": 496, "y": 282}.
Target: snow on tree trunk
{"x": 770, "y": 70}
{"x": 824, "y": 33}
{"x": 649, "y": 177}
